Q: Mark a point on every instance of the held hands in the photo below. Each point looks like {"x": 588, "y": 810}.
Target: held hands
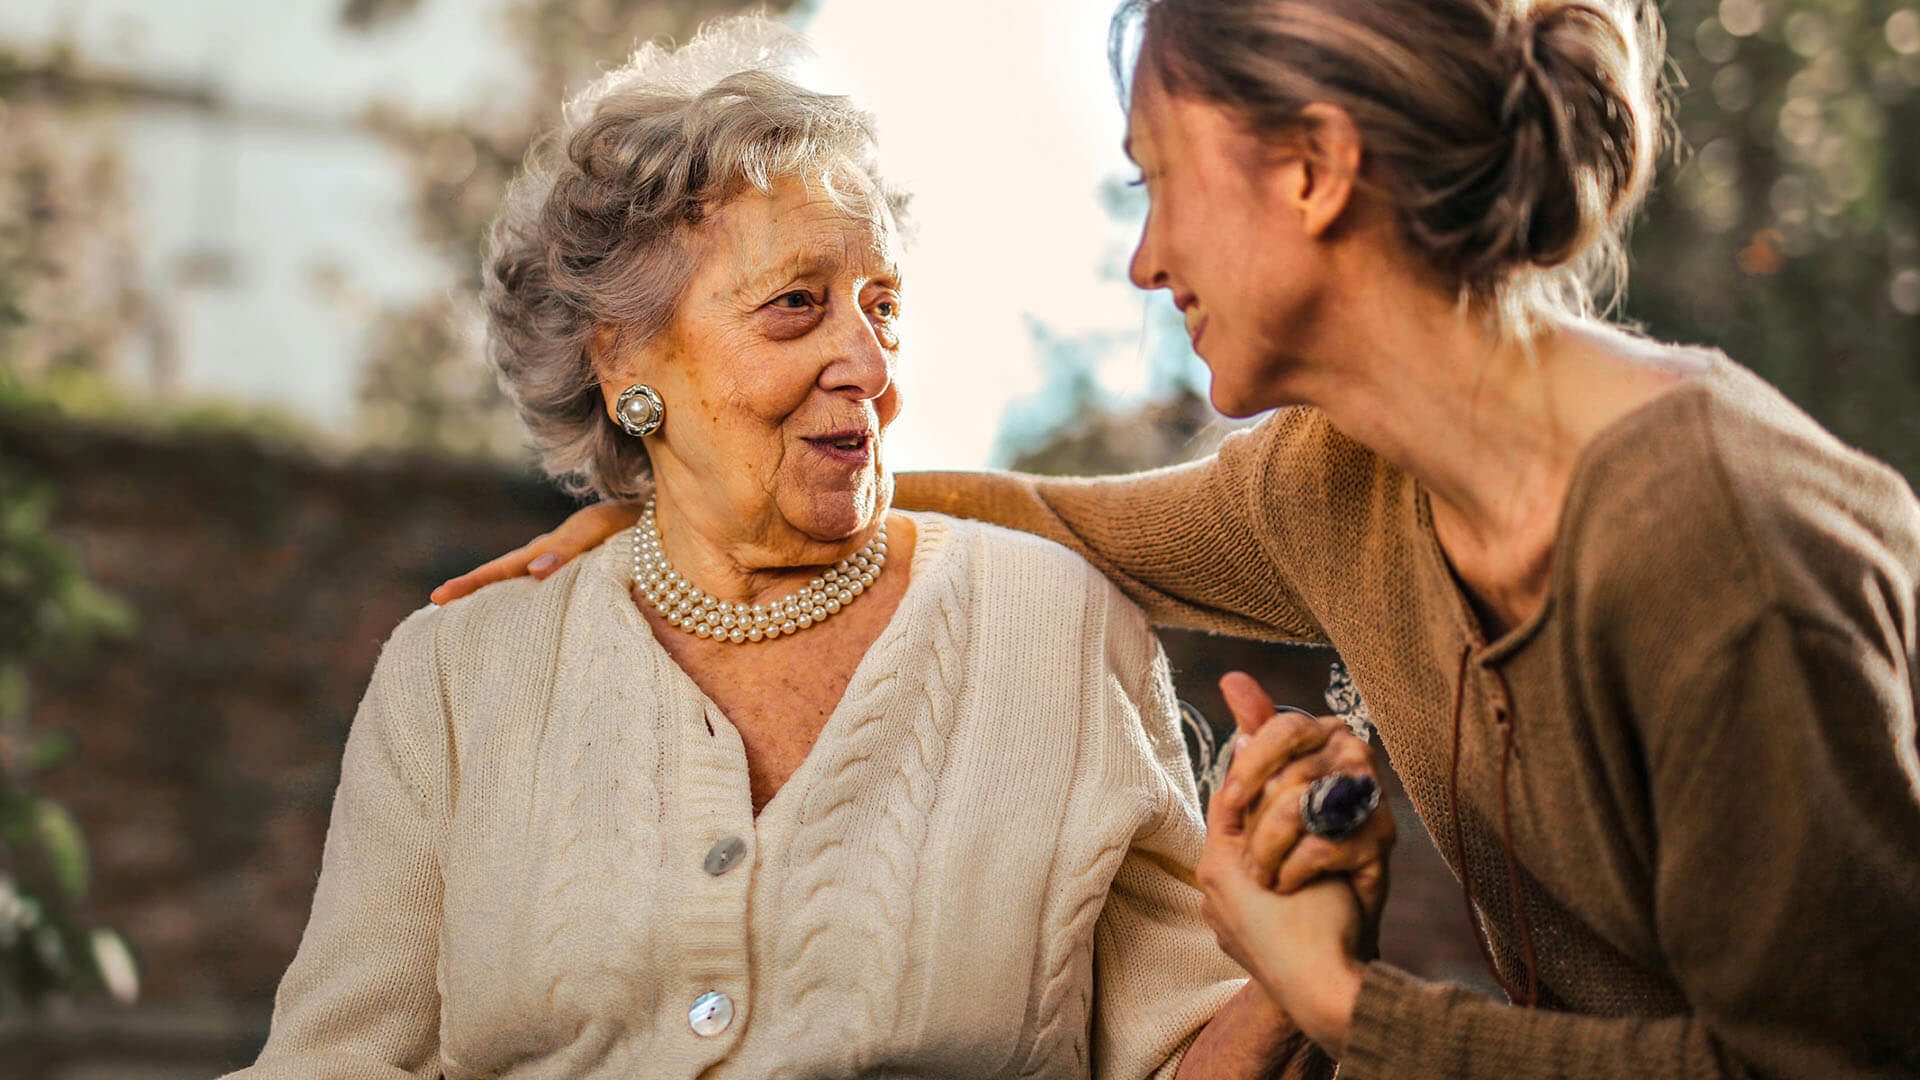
{"x": 1278, "y": 756}
{"x": 547, "y": 552}
{"x": 1300, "y": 912}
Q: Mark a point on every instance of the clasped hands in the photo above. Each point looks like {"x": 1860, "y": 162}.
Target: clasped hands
{"x": 1299, "y": 912}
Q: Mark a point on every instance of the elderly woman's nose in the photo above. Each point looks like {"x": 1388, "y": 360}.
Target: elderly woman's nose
{"x": 859, "y": 365}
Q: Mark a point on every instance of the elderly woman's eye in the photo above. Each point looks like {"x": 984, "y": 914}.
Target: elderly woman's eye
{"x": 887, "y": 309}
{"x": 796, "y": 299}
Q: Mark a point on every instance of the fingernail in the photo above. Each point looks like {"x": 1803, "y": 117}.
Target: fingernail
{"x": 1232, "y": 791}
{"x": 543, "y": 564}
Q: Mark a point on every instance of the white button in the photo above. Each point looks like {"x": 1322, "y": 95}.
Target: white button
{"x": 712, "y": 1012}
{"x": 724, "y": 854}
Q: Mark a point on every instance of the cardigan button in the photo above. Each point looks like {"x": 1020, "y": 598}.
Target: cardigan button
{"x": 711, "y": 1014}
{"x": 724, "y": 854}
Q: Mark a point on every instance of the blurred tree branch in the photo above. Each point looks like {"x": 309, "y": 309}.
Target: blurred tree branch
{"x": 373, "y": 14}
{"x": 67, "y": 297}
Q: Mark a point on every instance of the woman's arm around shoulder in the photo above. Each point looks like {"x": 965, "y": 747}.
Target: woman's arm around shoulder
{"x": 361, "y": 997}
{"x": 1191, "y": 544}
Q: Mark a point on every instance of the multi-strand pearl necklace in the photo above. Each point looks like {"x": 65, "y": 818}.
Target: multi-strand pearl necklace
{"x": 685, "y": 605}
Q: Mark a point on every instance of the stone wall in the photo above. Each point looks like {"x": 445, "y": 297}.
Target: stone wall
{"x": 209, "y": 740}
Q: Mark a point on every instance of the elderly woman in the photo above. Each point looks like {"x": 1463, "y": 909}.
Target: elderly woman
{"x": 777, "y": 782}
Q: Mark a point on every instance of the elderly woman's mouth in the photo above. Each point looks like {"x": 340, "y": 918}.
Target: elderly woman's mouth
{"x": 852, "y": 448}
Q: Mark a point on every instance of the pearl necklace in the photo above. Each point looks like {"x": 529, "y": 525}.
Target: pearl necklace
{"x": 685, "y": 605}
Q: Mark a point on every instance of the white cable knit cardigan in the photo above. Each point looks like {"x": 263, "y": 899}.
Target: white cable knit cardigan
{"x": 982, "y": 869}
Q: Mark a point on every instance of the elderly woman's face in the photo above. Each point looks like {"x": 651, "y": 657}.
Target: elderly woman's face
{"x": 777, "y": 371}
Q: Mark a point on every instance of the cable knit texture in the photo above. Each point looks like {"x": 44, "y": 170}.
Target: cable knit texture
{"x": 1000, "y": 806}
{"x": 1713, "y": 776}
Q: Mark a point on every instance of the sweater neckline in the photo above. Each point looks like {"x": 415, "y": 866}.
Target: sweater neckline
{"x": 928, "y": 572}
{"x": 1588, "y": 470}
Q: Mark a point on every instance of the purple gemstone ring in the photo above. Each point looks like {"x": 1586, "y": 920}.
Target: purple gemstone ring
{"x": 1337, "y": 805}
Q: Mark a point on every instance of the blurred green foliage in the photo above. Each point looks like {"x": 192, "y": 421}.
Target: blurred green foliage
{"x": 84, "y": 393}
{"x": 51, "y": 612}
{"x": 47, "y": 945}
{"x": 1789, "y": 234}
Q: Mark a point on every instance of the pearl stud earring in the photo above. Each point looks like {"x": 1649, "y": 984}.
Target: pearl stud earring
{"x": 640, "y": 410}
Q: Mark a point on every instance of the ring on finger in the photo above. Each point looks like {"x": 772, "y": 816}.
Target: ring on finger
{"x": 1336, "y": 805}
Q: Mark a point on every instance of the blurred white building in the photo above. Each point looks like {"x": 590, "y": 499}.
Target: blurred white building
{"x": 254, "y": 186}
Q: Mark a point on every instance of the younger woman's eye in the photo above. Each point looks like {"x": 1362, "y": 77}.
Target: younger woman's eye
{"x": 887, "y": 309}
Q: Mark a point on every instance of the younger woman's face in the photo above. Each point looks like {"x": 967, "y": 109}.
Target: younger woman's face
{"x": 1219, "y": 237}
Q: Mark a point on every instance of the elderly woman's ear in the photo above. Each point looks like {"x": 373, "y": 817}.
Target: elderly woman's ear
{"x": 616, "y": 367}
{"x": 589, "y": 526}
{"x": 629, "y": 399}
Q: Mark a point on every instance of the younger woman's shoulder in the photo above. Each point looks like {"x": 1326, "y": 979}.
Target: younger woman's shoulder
{"x": 1723, "y": 491}
{"x": 1793, "y": 490}
{"x": 1781, "y": 461}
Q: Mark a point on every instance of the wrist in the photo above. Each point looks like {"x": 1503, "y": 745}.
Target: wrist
{"x": 1326, "y": 1013}
{"x": 1263, "y": 1011}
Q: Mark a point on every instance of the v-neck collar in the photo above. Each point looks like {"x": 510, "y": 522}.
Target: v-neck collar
{"x": 1587, "y": 468}
{"x": 926, "y": 571}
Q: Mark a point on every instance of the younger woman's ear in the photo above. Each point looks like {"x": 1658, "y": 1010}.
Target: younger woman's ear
{"x": 1330, "y": 154}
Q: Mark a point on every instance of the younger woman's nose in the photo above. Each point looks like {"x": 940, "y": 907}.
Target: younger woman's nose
{"x": 1144, "y": 268}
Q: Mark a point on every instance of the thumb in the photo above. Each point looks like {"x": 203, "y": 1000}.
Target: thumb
{"x": 1249, "y": 703}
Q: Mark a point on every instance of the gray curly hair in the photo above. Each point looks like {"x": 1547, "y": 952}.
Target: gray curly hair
{"x": 595, "y": 234}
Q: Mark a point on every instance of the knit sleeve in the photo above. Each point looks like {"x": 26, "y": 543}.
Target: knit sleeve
{"x": 1783, "y": 780}
{"x": 361, "y": 998}
{"x": 1159, "y": 975}
{"x": 1190, "y": 544}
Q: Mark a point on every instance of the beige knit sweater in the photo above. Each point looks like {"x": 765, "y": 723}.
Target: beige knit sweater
{"x": 1703, "y": 747}
{"x": 982, "y": 869}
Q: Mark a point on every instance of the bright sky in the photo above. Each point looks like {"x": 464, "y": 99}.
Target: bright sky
{"x": 997, "y": 115}
{"x": 1002, "y": 124}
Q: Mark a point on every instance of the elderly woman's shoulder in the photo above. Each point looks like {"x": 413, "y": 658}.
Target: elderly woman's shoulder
{"x": 510, "y": 621}
{"x": 1044, "y": 574}
{"x": 1010, "y": 551}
